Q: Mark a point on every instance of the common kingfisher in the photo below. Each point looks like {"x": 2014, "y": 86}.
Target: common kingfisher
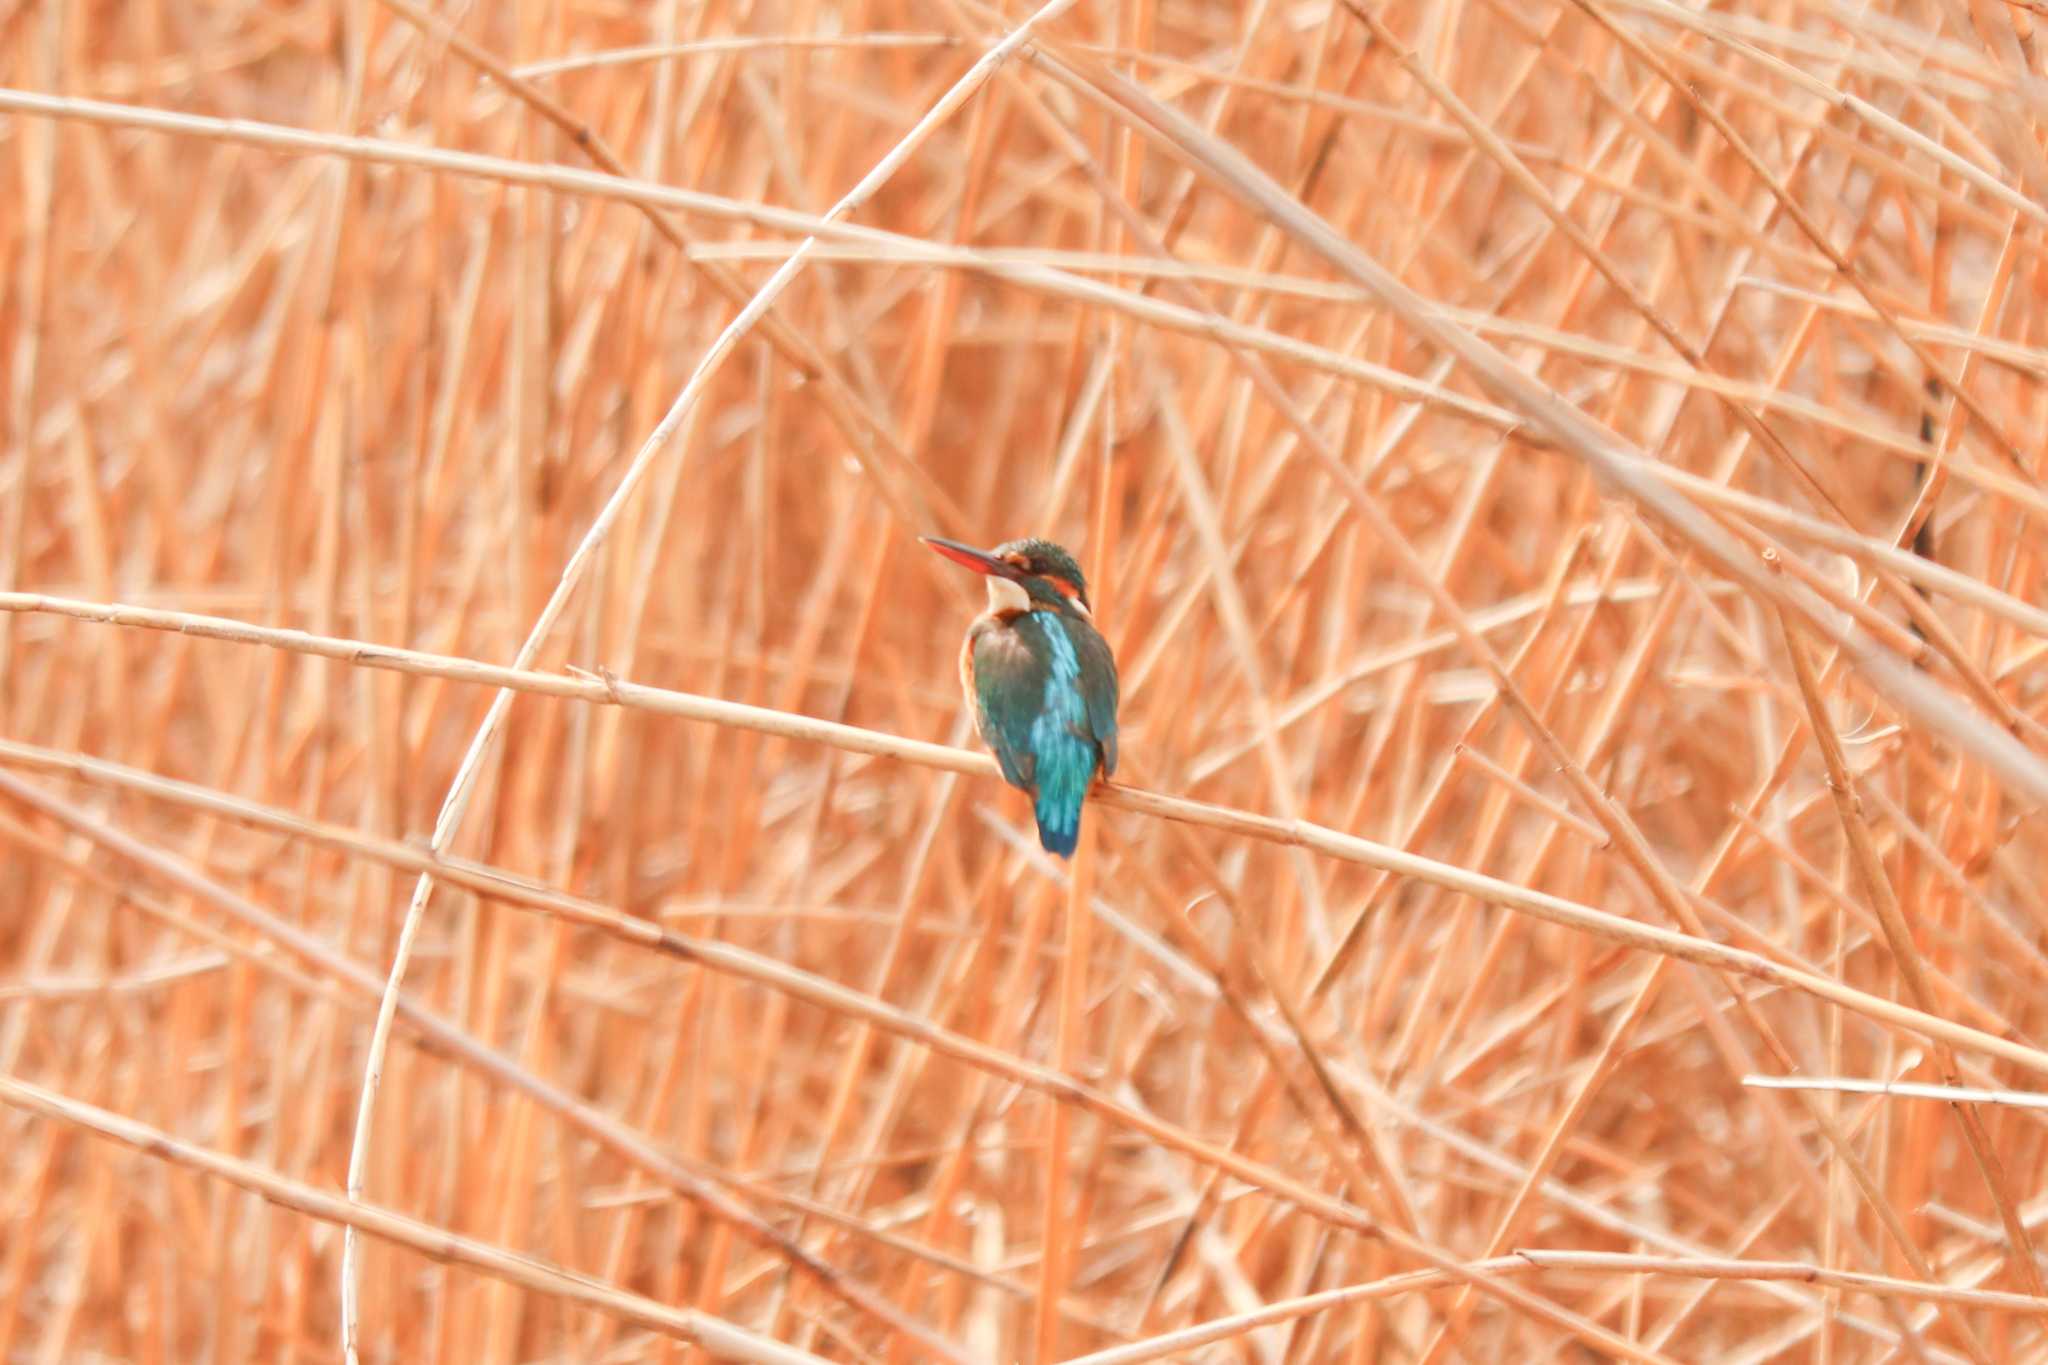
{"x": 1040, "y": 679}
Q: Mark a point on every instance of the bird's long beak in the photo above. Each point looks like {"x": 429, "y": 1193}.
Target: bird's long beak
{"x": 981, "y": 561}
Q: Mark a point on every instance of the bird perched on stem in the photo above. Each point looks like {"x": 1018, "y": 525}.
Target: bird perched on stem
{"x": 1040, "y": 679}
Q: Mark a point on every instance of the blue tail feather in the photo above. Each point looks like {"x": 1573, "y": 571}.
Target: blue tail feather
{"x": 1059, "y": 826}
{"x": 1063, "y": 778}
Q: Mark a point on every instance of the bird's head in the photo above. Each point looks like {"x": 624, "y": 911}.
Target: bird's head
{"x": 1023, "y": 574}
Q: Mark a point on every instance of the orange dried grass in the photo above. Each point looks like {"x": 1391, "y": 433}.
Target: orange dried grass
{"x": 295, "y": 450}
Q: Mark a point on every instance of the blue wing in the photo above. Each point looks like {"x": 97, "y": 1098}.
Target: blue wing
{"x": 1098, "y": 686}
{"x": 1034, "y": 710}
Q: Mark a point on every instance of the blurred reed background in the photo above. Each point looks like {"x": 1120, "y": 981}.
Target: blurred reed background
{"x": 1569, "y": 516}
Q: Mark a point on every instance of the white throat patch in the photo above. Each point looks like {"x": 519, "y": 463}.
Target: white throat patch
{"x": 1006, "y": 594}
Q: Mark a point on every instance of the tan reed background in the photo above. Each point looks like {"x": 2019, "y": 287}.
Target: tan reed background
{"x": 1562, "y": 480}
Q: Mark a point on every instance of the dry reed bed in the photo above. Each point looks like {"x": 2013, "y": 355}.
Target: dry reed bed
{"x": 1563, "y": 483}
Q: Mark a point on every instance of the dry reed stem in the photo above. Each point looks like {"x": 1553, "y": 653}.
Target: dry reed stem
{"x": 320, "y": 366}
{"x": 452, "y": 1042}
{"x": 1564, "y": 424}
{"x": 1295, "y": 834}
{"x": 456, "y": 803}
{"x": 1059, "y": 1086}
{"x": 1877, "y": 888}
{"x": 436, "y": 1243}
{"x": 1852, "y": 1085}
{"x": 1533, "y": 1259}
{"x": 1034, "y": 272}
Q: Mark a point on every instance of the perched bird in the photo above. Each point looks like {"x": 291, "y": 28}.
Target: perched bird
{"x": 1040, "y": 679}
